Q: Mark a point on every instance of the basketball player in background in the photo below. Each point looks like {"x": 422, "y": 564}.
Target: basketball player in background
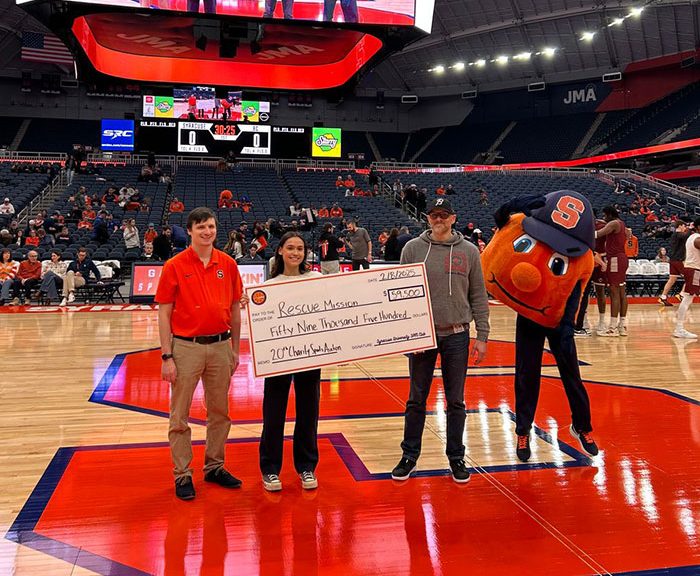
{"x": 691, "y": 272}
{"x": 616, "y": 274}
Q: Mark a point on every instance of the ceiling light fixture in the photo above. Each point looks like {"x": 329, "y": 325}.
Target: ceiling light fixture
{"x": 459, "y": 66}
{"x": 522, "y": 56}
{"x": 616, "y": 22}
{"x": 587, "y": 36}
{"x": 637, "y": 11}
{"x": 502, "y": 60}
{"x": 480, "y": 62}
{"x": 549, "y": 52}
{"x": 439, "y": 69}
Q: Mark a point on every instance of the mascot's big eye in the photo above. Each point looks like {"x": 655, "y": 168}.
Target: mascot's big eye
{"x": 558, "y": 264}
{"x": 524, "y": 244}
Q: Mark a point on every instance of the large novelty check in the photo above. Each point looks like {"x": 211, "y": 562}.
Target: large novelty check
{"x": 305, "y": 324}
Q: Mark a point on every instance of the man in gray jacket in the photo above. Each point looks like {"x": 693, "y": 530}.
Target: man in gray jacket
{"x": 458, "y": 296}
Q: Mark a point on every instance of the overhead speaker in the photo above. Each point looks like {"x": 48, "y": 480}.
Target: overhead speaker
{"x": 612, "y": 77}
{"x": 409, "y": 99}
{"x": 536, "y": 87}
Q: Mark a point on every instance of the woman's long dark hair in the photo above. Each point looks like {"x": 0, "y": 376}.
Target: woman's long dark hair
{"x": 278, "y": 263}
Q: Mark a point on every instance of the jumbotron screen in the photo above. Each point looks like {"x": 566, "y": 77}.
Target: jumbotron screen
{"x": 383, "y": 12}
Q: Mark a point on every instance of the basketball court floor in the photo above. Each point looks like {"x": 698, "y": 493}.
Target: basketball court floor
{"x": 87, "y": 485}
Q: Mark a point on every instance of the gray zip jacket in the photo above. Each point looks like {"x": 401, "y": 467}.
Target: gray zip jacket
{"x": 456, "y": 282}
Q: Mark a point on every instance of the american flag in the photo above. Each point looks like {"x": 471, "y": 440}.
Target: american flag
{"x": 38, "y": 47}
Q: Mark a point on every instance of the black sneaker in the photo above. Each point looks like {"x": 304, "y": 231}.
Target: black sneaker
{"x": 586, "y": 441}
{"x": 460, "y": 473}
{"x": 403, "y": 469}
{"x": 184, "y": 488}
{"x": 223, "y": 478}
{"x": 522, "y": 451}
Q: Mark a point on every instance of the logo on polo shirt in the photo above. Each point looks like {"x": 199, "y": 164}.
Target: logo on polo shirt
{"x": 258, "y": 297}
{"x": 220, "y": 274}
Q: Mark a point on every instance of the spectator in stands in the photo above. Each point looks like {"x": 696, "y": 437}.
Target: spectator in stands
{"x": 478, "y": 240}
{"x": 336, "y": 211}
{"x": 340, "y": 183}
{"x": 349, "y": 182}
{"x": 32, "y": 238}
{"x": 6, "y": 238}
{"x": 252, "y": 255}
{"x": 148, "y": 252}
{"x": 469, "y": 232}
{"x": 382, "y": 238}
{"x": 89, "y": 214}
{"x": 150, "y": 234}
{"x": 39, "y": 220}
{"x": 131, "y": 234}
{"x": 323, "y": 212}
{"x": 27, "y": 278}
{"x": 226, "y": 199}
{"x": 16, "y": 232}
{"x": 404, "y": 237}
{"x": 260, "y": 237}
{"x": 328, "y": 245}
{"x": 243, "y": 229}
{"x": 163, "y": 245}
{"x": 631, "y": 244}
{"x": 440, "y": 190}
{"x": 100, "y": 228}
{"x": 661, "y": 256}
{"x": 358, "y": 240}
{"x": 392, "y": 251}
{"x": 484, "y": 198}
{"x": 421, "y": 200}
{"x": 176, "y": 206}
{"x": 651, "y": 217}
{"x": 8, "y": 271}
{"x": 235, "y": 246}
{"x": 295, "y": 210}
{"x": 52, "y": 276}
{"x": 78, "y": 274}
{"x": 46, "y": 241}
{"x": 52, "y": 224}
{"x": 677, "y": 256}
{"x": 84, "y": 225}
{"x": 7, "y": 208}
{"x": 450, "y": 190}
{"x": 178, "y": 238}
{"x": 146, "y": 174}
{"x": 63, "y": 236}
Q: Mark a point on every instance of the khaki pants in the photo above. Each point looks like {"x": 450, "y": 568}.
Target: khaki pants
{"x": 330, "y": 267}
{"x": 71, "y": 282}
{"x": 213, "y": 363}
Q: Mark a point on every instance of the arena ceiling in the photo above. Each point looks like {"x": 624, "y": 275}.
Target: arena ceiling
{"x": 500, "y": 44}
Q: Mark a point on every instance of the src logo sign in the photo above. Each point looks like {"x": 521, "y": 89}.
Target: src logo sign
{"x": 117, "y": 135}
{"x": 114, "y": 134}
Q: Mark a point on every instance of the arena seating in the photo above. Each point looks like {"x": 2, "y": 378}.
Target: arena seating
{"x": 541, "y": 139}
{"x": 21, "y": 187}
{"x": 460, "y": 144}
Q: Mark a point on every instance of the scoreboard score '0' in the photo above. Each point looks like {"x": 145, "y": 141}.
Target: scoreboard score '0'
{"x": 218, "y": 139}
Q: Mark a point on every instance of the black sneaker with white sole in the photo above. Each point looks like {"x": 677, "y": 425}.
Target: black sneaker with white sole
{"x": 586, "y": 441}
{"x": 403, "y": 469}
{"x": 184, "y": 488}
{"x": 460, "y": 473}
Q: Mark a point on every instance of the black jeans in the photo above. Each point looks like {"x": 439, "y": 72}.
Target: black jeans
{"x": 28, "y": 286}
{"x": 454, "y": 355}
{"x": 581, "y": 316}
{"x": 357, "y": 264}
{"x": 529, "y": 345}
{"x": 307, "y": 391}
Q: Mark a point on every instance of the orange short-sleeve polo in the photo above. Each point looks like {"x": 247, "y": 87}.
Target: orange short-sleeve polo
{"x": 201, "y": 297}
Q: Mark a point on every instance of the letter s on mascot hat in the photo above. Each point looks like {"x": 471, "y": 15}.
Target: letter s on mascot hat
{"x": 536, "y": 259}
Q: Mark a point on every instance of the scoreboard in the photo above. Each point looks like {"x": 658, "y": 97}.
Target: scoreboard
{"x": 218, "y": 138}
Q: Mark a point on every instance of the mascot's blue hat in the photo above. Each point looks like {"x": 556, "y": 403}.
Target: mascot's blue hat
{"x": 564, "y": 223}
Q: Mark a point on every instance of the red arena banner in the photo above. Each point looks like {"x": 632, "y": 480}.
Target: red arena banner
{"x": 163, "y": 49}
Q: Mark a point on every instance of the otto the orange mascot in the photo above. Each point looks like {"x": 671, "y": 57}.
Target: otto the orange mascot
{"x": 538, "y": 263}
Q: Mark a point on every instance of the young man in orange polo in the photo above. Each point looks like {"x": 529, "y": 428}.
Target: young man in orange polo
{"x": 199, "y": 321}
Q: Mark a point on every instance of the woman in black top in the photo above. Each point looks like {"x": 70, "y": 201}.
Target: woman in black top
{"x": 392, "y": 252}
